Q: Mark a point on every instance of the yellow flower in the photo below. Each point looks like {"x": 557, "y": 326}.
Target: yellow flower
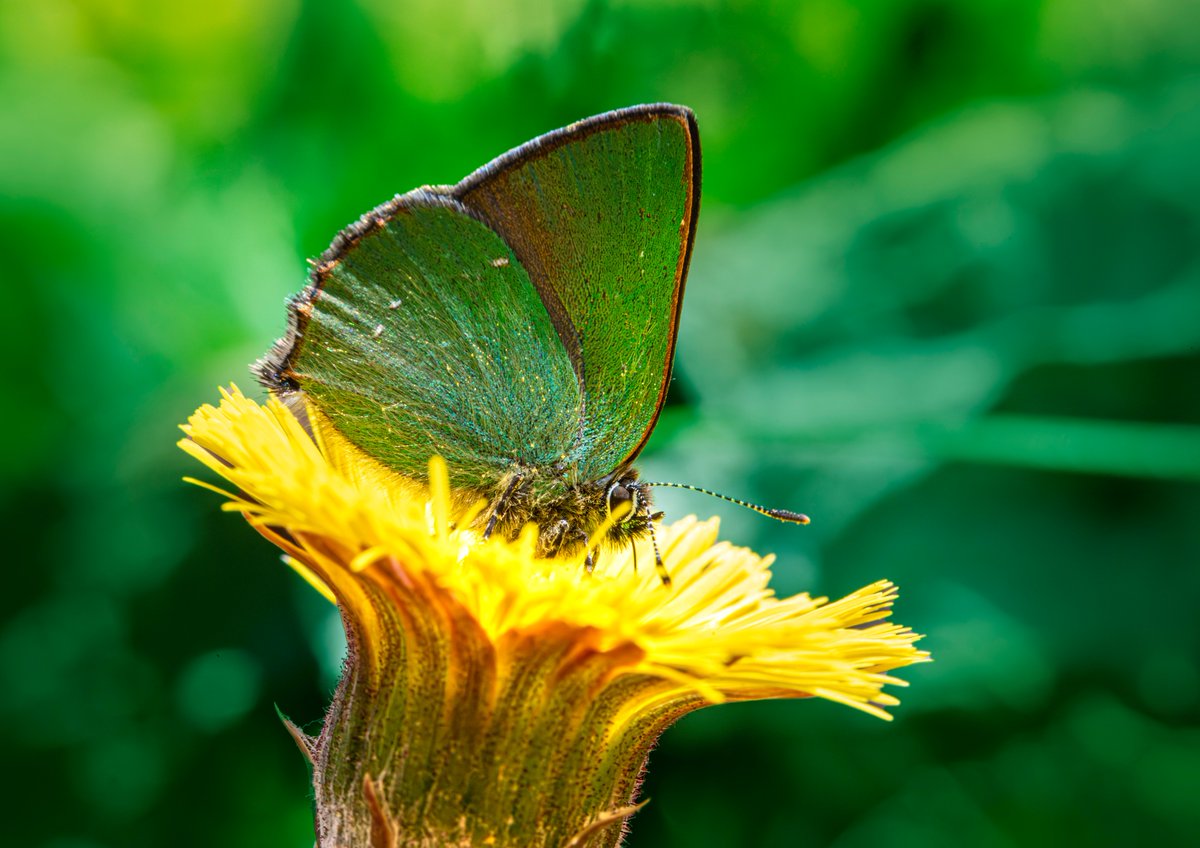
{"x": 492, "y": 697}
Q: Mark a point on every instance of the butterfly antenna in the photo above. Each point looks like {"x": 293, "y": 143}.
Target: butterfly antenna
{"x": 779, "y": 514}
{"x": 658, "y": 562}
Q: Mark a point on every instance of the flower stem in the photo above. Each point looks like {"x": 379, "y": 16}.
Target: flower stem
{"x": 438, "y": 736}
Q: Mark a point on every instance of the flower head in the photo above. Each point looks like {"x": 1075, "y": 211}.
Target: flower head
{"x": 495, "y": 697}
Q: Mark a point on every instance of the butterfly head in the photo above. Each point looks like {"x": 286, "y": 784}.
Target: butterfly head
{"x": 629, "y": 499}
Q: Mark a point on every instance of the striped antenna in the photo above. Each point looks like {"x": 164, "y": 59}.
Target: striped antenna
{"x": 658, "y": 562}
{"x": 780, "y": 514}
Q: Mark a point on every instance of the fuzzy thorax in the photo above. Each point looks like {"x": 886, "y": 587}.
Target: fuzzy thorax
{"x": 571, "y": 518}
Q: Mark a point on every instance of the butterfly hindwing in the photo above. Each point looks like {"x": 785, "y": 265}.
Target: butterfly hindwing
{"x": 421, "y": 334}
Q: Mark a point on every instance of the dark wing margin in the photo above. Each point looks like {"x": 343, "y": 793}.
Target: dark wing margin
{"x": 274, "y": 368}
{"x": 602, "y": 213}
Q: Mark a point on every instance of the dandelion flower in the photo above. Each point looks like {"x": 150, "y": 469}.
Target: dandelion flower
{"x": 494, "y": 698}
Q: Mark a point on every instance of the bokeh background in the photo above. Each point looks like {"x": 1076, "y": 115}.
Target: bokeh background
{"x": 945, "y": 297}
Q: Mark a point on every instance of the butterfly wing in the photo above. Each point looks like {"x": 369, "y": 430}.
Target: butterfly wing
{"x": 602, "y": 215}
{"x": 420, "y": 334}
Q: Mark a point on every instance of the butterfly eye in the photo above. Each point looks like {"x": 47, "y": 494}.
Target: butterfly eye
{"x": 619, "y": 494}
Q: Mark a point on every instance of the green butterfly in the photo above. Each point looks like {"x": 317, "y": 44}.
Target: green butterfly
{"x": 521, "y": 324}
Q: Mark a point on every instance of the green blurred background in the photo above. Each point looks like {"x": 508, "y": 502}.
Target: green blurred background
{"x": 945, "y": 297}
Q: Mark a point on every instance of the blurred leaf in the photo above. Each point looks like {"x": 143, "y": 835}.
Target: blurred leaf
{"x": 943, "y": 298}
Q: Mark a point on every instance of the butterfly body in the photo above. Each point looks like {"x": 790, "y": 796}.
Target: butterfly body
{"x": 520, "y": 324}
{"x": 567, "y": 514}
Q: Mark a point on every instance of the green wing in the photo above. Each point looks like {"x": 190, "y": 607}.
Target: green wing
{"x": 419, "y": 334}
{"x": 602, "y": 215}
{"x": 525, "y": 317}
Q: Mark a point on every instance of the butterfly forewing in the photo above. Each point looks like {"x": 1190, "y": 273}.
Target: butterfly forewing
{"x": 601, "y": 214}
{"x": 423, "y": 335}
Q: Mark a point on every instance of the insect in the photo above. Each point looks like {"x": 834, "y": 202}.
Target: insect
{"x": 521, "y": 324}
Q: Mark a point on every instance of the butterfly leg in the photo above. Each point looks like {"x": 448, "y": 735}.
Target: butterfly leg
{"x": 500, "y": 503}
{"x": 592, "y": 556}
{"x": 560, "y": 536}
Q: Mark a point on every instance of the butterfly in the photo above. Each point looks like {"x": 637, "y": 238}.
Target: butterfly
{"x": 520, "y": 324}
